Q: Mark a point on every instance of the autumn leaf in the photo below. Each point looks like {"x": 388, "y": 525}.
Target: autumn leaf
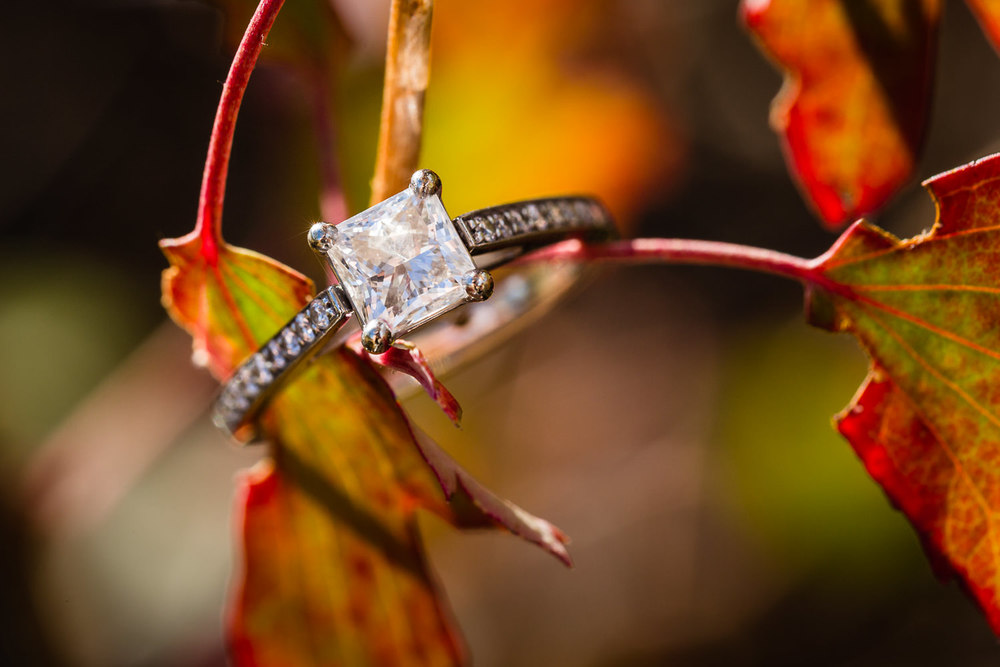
{"x": 853, "y": 109}
{"x": 333, "y": 569}
{"x": 927, "y": 422}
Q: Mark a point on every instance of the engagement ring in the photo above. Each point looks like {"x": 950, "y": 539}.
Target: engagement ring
{"x": 402, "y": 264}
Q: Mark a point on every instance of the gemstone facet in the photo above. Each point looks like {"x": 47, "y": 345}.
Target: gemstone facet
{"x": 401, "y": 262}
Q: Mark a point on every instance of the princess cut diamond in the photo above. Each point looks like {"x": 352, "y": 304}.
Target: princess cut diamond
{"x": 401, "y": 262}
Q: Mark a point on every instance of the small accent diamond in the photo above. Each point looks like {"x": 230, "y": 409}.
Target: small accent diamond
{"x": 555, "y": 215}
{"x": 274, "y": 352}
{"x": 261, "y": 373}
{"x": 321, "y": 313}
{"x": 305, "y": 328}
{"x": 484, "y": 229}
{"x": 235, "y": 401}
{"x": 246, "y": 382}
{"x": 291, "y": 342}
{"x": 517, "y": 221}
{"x": 500, "y": 225}
{"x": 534, "y": 217}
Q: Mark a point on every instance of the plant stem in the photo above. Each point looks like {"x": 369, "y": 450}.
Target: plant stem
{"x": 213, "y": 184}
{"x": 407, "y": 72}
{"x": 689, "y": 251}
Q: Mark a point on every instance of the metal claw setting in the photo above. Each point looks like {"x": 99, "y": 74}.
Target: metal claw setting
{"x": 321, "y": 236}
{"x": 376, "y": 337}
{"x": 425, "y": 183}
{"x": 478, "y": 285}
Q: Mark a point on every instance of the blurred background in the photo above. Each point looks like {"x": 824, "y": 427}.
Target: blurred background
{"x": 675, "y": 421}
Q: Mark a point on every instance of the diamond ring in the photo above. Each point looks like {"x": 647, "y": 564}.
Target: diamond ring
{"x": 401, "y": 264}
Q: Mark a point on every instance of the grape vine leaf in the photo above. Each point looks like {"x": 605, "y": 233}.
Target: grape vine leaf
{"x": 333, "y": 565}
{"x": 926, "y": 423}
{"x": 333, "y": 570}
{"x": 854, "y": 106}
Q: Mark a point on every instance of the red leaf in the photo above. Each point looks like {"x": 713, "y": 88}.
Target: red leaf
{"x": 854, "y": 105}
{"x": 476, "y": 506}
{"x": 407, "y": 358}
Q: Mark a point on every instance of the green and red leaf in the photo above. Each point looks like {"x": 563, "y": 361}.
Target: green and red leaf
{"x": 926, "y": 424}
{"x": 927, "y": 421}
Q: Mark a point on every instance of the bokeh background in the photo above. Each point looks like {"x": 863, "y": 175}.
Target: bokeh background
{"x": 675, "y": 421}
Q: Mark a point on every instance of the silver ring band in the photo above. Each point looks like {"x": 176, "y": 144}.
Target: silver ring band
{"x": 520, "y": 226}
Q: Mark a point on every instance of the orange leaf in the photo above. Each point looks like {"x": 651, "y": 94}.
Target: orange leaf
{"x": 854, "y": 105}
{"x": 358, "y": 593}
{"x": 228, "y": 303}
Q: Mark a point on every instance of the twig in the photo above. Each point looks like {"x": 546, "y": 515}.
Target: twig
{"x": 213, "y": 184}
{"x": 689, "y": 251}
{"x": 407, "y": 70}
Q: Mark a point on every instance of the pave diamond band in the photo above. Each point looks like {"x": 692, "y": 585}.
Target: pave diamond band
{"x": 401, "y": 264}
{"x": 260, "y": 375}
{"x": 532, "y": 223}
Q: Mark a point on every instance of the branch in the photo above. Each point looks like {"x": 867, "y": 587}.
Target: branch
{"x": 407, "y": 70}
{"x": 688, "y": 251}
{"x": 213, "y": 184}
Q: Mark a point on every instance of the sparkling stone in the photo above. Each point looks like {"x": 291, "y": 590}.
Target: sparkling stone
{"x": 321, "y": 313}
{"x": 566, "y": 213}
{"x": 246, "y": 381}
{"x": 237, "y": 402}
{"x": 482, "y": 230}
{"x": 401, "y": 262}
{"x": 517, "y": 221}
{"x": 291, "y": 342}
{"x": 555, "y": 215}
{"x": 234, "y": 398}
{"x": 500, "y": 225}
{"x": 305, "y": 328}
{"x": 534, "y": 217}
{"x": 276, "y": 355}
{"x": 260, "y": 371}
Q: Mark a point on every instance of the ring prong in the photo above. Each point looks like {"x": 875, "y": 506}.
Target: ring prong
{"x": 425, "y": 183}
{"x": 478, "y": 284}
{"x": 376, "y": 337}
{"x": 320, "y": 236}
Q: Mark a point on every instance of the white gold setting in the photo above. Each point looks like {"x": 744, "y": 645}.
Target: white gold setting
{"x": 400, "y": 264}
{"x": 275, "y": 361}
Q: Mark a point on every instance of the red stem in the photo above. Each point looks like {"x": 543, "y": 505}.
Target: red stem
{"x": 213, "y": 183}
{"x": 687, "y": 251}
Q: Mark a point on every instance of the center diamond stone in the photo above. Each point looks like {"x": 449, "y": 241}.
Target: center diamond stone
{"x": 401, "y": 262}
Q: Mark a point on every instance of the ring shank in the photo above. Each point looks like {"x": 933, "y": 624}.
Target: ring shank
{"x": 497, "y": 234}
